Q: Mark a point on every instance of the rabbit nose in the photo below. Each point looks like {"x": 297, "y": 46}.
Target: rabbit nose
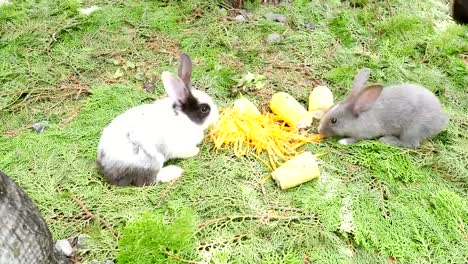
{"x": 322, "y": 131}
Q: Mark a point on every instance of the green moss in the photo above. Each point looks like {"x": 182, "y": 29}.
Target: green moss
{"x": 148, "y": 238}
{"x": 340, "y": 26}
{"x": 385, "y": 162}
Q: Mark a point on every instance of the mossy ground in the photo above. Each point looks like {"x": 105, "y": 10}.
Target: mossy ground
{"x": 373, "y": 203}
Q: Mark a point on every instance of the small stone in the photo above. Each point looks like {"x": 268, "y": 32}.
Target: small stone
{"x": 149, "y": 86}
{"x": 87, "y": 11}
{"x": 247, "y": 13}
{"x": 274, "y": 38}
{"x": 109, "y": 262}
{"x": 239, "y": 18}
{"x": 310, "y": 25}
{"x": 223, "y": 11}
{"x": 64, "y": 247}
{"x": 82, "y": 241}
{"x": 276, "y": 17}
{"x": 139, "y": 76}
{"x": 39, "y": 127}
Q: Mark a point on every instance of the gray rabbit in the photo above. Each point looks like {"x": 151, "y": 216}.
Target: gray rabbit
{"x": 24, "y": 235}
{"x": 400, "y": 115}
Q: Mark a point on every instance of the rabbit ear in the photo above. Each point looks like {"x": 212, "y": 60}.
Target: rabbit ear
{"x": 359, "y": 80}
{"x": 185, "y": 70}
{"x": 175, "y": 87}
{"x": 366, "y": 99}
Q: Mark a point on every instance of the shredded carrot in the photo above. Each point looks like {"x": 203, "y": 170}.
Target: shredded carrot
{"x": 264, "y": 133}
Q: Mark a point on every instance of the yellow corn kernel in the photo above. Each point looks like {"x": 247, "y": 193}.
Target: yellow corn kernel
{"x": 320, "y": 99}
{"x": 245, "y": 107}
{"x": 290, "y": 110}
{"x": 297, "y": 170}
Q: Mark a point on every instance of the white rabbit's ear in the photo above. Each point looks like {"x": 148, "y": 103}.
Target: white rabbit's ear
{"x": 366, "y": 99}
{"x": 185, "y": 70}
{"x": 175, "y": 87}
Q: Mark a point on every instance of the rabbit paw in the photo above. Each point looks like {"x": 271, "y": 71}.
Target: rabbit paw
{"x": 169, "y": 173}
{"x": 390, "y": 140}
{"x": 189, "y": 153}
{"x": 347, "y": 141}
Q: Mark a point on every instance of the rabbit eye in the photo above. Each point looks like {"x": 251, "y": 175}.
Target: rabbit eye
{"x": 333, "y": 120}
{"x": 204, "y": 108}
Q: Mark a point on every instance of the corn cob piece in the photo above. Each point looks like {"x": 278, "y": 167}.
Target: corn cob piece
{"x": 296, "y": 171}
{"x": 245, "y": 107}
{"x": 320, "y": 99}
{"x": 290, "y": 110}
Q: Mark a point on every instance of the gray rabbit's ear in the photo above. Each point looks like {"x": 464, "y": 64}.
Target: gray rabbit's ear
{"x": 185, "y": 70}
{"x": 359, "y": 81}
{"x": 365, "y": 99}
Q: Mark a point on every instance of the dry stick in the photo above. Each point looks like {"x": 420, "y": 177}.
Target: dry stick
{"x": 166, "y": 192}
{"x": 37, "y": 94}
{"x": 390, "y": 8}
{"x": 256, "y": 217}
{"x": 53, "y": 37}
{"x": 60, "y": 217}
{"x": 173, "y": 256}
{"x": 333, "y": 50}
{"x": 296, "y": 68}
{"x": 287, "y": 209}
{"x": 45, "y": 91}
{"x": 382, "y": 198}
{"x": 234, "y": 239}
{"x": 93, "y": 216}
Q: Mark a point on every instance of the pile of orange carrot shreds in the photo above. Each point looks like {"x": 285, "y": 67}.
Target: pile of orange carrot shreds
{"x": 254, "y": 134}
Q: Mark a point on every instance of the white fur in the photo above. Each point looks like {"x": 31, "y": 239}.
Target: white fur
{"x": 346, "y": 141}
{"x": 169, "y": 173}
{"x": 151, "y": 126}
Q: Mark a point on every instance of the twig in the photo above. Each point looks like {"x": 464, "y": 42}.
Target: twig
{"x": 93, "y": 216}
{"x": 68, "y": 118}
{"x": 302, "y": 68}
{"x": 34, "y": 95}
{"x": 166, "y": 192}
{"x": 14, "y": 133}
{"x": 390, "y": 8}
{"x": 60, "y": 217}
{"x": 287, "y": 209}
{"x": 265, "y": 218}
{"x": 53, "y": 37}
{"x": 214, "y": 244}
{"x": 173, "y": 256}
{"x": 333, "y": 50}
{"x": 382, "y": 198}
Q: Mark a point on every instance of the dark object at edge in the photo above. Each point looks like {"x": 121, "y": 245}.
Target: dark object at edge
{"x": 24, "y": 235}
{"x": 460, "y": 11}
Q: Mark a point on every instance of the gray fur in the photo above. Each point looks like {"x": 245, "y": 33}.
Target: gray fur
{"x": 24, "y": 235}
{"x": 401, "y": 115}
{"x": 121, "y": 175}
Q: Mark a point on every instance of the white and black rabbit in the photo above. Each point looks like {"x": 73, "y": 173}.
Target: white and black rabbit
{"x": 135, "y": 145}
{"x": 24, "y": 235}
{"x": 400, "y": 115}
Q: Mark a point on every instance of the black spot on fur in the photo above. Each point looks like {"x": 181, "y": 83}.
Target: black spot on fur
{"x": 194, "y": 110}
